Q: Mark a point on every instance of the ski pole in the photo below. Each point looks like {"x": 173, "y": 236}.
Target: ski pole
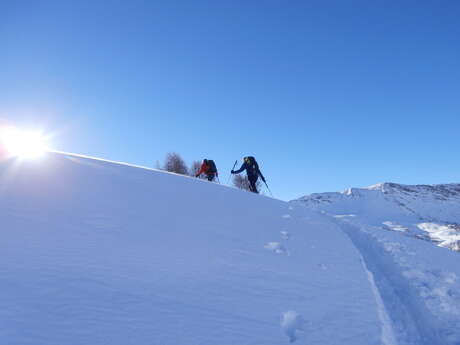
{"x": 234, "y": 165}
{"x": 217, "y": 177}
{"x": 269, "y": 189}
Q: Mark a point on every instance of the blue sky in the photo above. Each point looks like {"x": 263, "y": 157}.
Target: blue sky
{"x": 326, "y": 94}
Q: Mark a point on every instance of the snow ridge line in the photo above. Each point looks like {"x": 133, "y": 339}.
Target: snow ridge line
{"x": 76, "y": 155}
{"x": 91, "y": 158}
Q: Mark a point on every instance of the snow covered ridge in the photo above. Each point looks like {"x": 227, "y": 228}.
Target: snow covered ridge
{"x": 429, "y": 212}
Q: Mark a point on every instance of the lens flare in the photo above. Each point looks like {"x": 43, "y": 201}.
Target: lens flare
{"x": 22, "y": 143}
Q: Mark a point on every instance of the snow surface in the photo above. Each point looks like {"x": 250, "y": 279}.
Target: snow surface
{"x": 95, "y": 252}
{"x": 394, "y": 228}
{"x": 98, "y": 252}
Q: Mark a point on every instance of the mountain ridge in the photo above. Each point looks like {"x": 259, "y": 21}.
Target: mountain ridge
{"x": 403, "y": 208}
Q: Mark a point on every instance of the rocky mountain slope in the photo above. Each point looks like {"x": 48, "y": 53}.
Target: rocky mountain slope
{"x": 429, "y": 212}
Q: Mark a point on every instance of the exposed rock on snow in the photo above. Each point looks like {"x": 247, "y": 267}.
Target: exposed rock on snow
{"x": 446, "y": 235}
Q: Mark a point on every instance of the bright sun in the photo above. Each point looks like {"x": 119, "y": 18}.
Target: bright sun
{"x": 23, "y": 143}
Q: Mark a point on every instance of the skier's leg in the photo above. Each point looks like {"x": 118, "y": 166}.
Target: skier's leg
{"x": 252, "y": 184}
{"x": 210, "y": 177}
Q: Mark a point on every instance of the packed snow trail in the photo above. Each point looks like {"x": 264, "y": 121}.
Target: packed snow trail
{"x": 417, "y": 282}
{"x": 95, "y": 252}
{"x": 407, "y": 315}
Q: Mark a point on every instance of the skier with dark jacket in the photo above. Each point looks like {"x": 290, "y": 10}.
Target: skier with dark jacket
{"x": 252, "y": 170}
{"x": 208, "y": 167}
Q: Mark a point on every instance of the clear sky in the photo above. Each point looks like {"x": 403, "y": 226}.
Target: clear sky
{"x": 325, "y": 94}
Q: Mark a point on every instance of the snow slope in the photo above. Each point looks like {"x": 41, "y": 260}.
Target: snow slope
{"x": 95, "y": 252}
{"x": 394, "y": 227}
{"x": 430, "y": 212}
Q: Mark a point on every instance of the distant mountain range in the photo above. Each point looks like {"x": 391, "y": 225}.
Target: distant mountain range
{"x": 428, "y": 212}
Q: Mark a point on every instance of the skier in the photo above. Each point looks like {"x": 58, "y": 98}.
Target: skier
{"x": 208, "y": 167}
{"x": 252, "y": 170}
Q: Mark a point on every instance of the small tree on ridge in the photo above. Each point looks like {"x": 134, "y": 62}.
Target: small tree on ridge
{"x": 175, "y": 163}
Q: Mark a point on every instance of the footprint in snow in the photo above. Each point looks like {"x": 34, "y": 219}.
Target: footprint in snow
{"x": 285, "y": 235}
{"x": 276, "y": 247}
{"x": 286, "y": 216}
{"x": 291, "y": 323}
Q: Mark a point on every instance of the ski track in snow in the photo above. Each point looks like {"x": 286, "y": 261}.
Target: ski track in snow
{"x": 388, "y": 337}
{"x": 394, "y": 228}
{"x": 410, "y": 296}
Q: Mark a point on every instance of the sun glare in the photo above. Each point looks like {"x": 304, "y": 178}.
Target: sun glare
{"x": 22, "y": 143}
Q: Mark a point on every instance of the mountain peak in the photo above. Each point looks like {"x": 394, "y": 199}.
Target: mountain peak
{"x": 381, "y": 186}
{"x": 437, "y": 190}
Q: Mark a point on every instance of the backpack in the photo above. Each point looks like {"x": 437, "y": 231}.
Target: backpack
{"x": 252, "y": 166}
{"x": 211, "y": 167}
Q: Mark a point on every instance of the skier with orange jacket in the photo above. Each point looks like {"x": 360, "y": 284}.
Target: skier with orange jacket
{"x": 208, "y": 167}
